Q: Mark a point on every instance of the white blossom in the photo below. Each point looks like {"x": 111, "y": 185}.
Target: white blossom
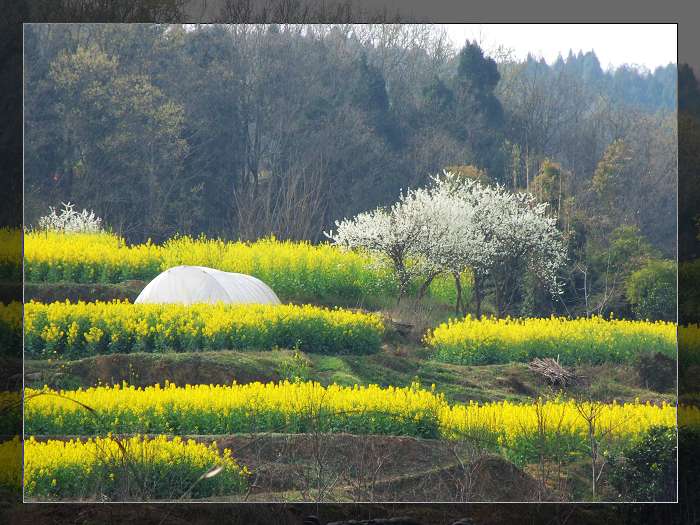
{"x": 70, "y": 221}
{"x": 456, "y": 224}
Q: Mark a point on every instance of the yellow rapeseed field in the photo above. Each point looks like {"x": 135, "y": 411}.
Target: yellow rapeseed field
{"x": 10, "y": 254}
{"x": 302, "y": 406}
{"x": 689, "y": 345}
{"x": 11, "y": 461}
{"x": 165, "y": 468}
{"x": 293, "y": 269}
{"x": 81, "y": 329}
{"x": 593, "y": 340}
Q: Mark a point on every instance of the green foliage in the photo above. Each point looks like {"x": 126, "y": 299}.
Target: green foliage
{"x": 628, "y": 247}
{"x": 479, "y": 113}
{"x": 652, "y": 290}
{"x": 608, "y": 174}
{"x": 295, "y": 368}
{"x": 549, "y": 185}
{"x": 609, "y": 260}
{"x": 689, "y": 293}
{"x": 647, "y": 470}
{"x": 657, "y": 371}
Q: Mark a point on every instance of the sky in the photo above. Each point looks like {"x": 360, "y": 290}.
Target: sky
{"x": 648, "y": 45}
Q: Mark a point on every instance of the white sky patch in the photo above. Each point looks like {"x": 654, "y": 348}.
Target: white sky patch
{"x": 646, "y": 45}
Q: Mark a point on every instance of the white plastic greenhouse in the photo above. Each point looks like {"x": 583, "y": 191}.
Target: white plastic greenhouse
{"x": 199, "y": 284}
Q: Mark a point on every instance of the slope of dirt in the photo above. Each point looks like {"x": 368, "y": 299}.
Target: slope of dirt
{"x": 393, "y": 365}
{"x": 74, "y": 292}
{"x": 346, "y": 467}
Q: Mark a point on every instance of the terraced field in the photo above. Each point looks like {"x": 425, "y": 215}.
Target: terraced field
{"x": 313, "y": 401}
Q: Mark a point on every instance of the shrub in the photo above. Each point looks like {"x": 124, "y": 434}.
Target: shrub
{"x": 82, "y": 329}
{"x": 133, "y": 469}
{"x": 656, "y": 371}
{"x": 647, "y": 469}
{"x": 587, "y": 340}
{"x": 651, "y": 290}
{"x": 294, "y": 368}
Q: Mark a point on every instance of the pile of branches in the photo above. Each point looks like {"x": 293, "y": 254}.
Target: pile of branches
{"x": 553, "y": 371}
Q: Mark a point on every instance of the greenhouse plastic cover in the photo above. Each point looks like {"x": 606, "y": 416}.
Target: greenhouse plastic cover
{"x": 199, "y": 284}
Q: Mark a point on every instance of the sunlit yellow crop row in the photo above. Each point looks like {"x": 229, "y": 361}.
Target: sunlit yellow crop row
{"x": 592, "y": 340}
{"x": 133, "y": 468}
{"x": 87, "y": 257}
{"x": 11, "y": 461}
{"x": 689, "y": 345}
{"x": 10, "y": 254}
{"x": 252, "y": 407}
{"x": 292, "y": 269}
{"x": 689, "y": 416}
{"x": 79, "y": 329}
{"x": 567, "y": 417}
{"x": 303, "y": 406}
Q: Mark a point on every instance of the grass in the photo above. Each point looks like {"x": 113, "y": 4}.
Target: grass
{"x": 397, "y": 366}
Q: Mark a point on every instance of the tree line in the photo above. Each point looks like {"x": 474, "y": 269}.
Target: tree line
{"x": 241, "y": 131}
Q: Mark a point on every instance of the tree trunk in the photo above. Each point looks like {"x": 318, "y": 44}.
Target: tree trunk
{"x": 403, "y": 278}
{"x": 527, "y": 167}
{"x": 424, "y": 287}
{"x": 498, "y": 292}
{"x": 458, "y": 286}
{"x": 477, "y": 295}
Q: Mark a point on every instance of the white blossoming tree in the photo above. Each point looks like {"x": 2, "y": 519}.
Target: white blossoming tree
{"x": 458, "y": 224}
{"x": 397, "y": 235}
{"x": 68, "y": 220}
{"x": 517, "y": 234}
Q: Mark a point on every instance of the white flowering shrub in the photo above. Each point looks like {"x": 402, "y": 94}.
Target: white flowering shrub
{"x": 67, "y": 220}
{"x": 456, "y": 224}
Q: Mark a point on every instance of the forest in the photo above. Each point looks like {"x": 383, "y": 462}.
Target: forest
{"x": 242, "y": 131}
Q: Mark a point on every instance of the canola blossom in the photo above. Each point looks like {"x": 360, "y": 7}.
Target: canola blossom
{"x": 292, "y": 269}
{"x": 689, "y": 345}
{"x": 307, "y": 406}
{"x": 689, "y": 416}
{"x": 157, "y": 468}
{"x": 11, "y": 461}
{"x": 594, "y": 340}
{"x": 11, "y": 254}
{"x": 87, "y": 257}
{"x": 82, "y": 329}
{"x": 295, "y": 407}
